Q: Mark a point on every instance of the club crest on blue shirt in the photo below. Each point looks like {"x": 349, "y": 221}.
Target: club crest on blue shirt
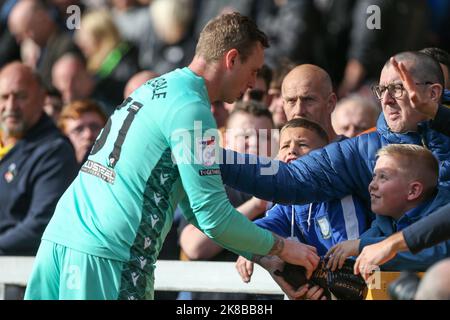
{"x": 324, "y": 226}
{"x": 11, "y": 173}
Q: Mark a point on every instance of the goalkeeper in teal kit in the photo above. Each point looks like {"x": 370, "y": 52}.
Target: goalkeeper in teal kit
{"x": 157, "y": 150}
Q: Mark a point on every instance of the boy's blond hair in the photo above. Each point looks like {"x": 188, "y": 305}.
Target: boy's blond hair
{"x": 417, "y": 162}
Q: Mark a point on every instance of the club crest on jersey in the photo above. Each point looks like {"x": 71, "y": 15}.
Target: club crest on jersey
{"x": 206, "y": 151}
{"x": 324, "y": 226}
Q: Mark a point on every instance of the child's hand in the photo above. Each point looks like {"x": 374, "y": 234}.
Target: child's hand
{"x": 341, "y": 251}
{"x": 244, "y": 268}
{"x": 260, "y": 205}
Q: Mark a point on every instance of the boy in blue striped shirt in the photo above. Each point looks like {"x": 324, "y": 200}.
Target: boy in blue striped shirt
{"x": 321, "y": 225}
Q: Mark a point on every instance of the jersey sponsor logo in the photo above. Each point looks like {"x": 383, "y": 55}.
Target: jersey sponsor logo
{"x": 324, "y": 226}
{"x": 96, "y": 169}
{"x": 163, "y": 177}
{"x": 209, "y": 172}
{"x": 147, "y": 242}
{"x": 206, "y": 151}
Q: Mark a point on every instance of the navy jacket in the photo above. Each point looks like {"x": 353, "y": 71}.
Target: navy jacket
{"x": 33, "y": 175}
{"x": 429, "y": 231}
{"x": 385, "y": 226}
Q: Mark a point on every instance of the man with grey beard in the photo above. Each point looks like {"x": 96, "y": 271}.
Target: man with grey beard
{"x": 37, "y": 163}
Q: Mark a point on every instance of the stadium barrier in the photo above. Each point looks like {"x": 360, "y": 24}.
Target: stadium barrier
{"x": 196, "y": 276}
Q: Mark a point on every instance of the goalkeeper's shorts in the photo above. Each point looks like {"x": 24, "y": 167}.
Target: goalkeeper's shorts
{"x": 62, "y": 273}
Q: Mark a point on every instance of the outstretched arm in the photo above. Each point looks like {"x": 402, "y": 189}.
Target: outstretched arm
{"x": 423, "y": 234}
{"x": 333, "y": 172}
{"x": 198, "y": 246}
{"x": 379, "y": 253}
{"x": 428, "y": 231}
{"x": 206, "y": 205}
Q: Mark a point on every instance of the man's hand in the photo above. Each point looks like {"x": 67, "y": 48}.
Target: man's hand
{"x": 377, "y": 254}
{"x": 297, "y": 253}
{"x": 272, "y": 263}
{"x": 244, "y": 268}
{"x": 420, "y": 100}
{"x": 341, "y": 251}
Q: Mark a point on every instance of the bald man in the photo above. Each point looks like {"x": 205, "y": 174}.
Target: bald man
{"x": 307, "y": 92}
{"x": 31, "y": 20}
{"x": 354, "y": 115}
{"x": 435, "y": 285}
{"x": 137, "y": 80}
{"x": 71, "y": 78}
{"x": 36, "y": 162}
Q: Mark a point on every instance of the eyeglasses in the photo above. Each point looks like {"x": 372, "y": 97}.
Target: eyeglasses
{"x": 394, "y": 90}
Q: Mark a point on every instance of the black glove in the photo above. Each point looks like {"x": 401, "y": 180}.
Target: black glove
{"x": 293, "y": 274}
{"x": 342, "y": 283}
{"x": 345, "y": 285}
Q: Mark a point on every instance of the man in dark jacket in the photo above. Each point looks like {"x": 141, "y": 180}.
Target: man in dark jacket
{"x": 37, "y": 163}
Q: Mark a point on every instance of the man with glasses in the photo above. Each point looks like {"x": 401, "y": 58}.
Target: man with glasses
{"x": 394, "y": 90}
{"x": 427, "y": 232}
{"x": 346, "y": 167}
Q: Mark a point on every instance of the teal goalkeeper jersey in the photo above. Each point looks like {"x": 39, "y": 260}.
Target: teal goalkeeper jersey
{"x": 156, "y": 151}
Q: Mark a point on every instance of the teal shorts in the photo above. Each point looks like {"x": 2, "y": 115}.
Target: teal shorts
{"x": 62, "y": 273}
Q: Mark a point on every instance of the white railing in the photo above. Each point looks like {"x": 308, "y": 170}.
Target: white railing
{"x": 169, "y": 276}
